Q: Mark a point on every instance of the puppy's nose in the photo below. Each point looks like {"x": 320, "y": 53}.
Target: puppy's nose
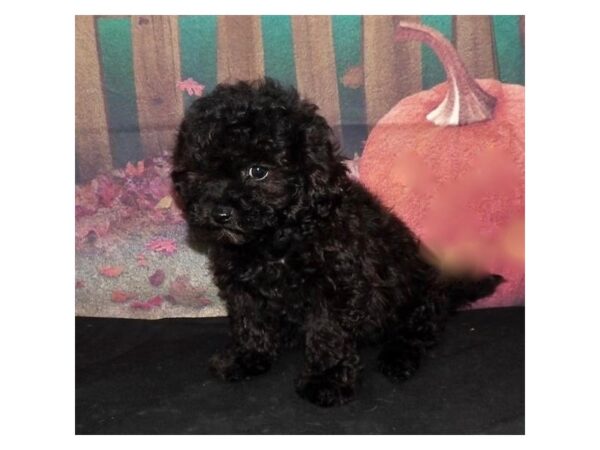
{"x": 222, "y": 214}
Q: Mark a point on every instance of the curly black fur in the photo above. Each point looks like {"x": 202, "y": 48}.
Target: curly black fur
{"x": 305, "y": 255}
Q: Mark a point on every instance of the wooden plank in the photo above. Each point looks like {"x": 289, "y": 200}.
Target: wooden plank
{"x": 347, "y": 43}
{"x": 239, "y": 49}
{"x": 392, "y": 69}
{"x": 198, "y": 52}
{"x": 315, "y": 65}
{"x": 116, "y": 62}
{"x": 279, "y": 49}
{"x": 91, "y": 130}
{"x": 509, "y": 49}
{"x": 474, "y": 41}
{"x": 157, "y": 69}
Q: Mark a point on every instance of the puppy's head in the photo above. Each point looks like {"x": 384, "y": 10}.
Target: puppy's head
{"x": 251, "y": 158}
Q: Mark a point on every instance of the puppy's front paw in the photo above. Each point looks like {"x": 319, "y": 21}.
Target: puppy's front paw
{"x": 324, "y": 390}
{"x": 230, "y": 366}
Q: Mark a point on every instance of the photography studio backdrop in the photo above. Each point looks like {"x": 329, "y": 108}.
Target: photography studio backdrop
{"x": 135, "y": 75}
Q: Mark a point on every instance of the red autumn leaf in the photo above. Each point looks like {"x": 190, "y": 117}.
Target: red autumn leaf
{"x": 107, "y": 190}
{"x": 157, "y": 278}
{"x": 79, "y": 284}
{"x": 162, "y": 245}
{"x": 119, "y": 296}
{"x": 149, "y": 304}
{"x": 111, "y": 271}
{"x": 155, "y": 301}
{"x": 191, "y": 86}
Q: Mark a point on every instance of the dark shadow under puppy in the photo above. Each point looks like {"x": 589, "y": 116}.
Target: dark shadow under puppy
{"x": 300, "y": 252}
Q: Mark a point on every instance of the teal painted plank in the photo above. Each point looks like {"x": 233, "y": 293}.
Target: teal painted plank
{"x": 509, "y": 50}
{"x": 116, "y": 57}
{"x": 347, "y": 41}
{"x": 198, "y": 51}
{"x": 433, "y": 71}
{"x": 278, "y": 48}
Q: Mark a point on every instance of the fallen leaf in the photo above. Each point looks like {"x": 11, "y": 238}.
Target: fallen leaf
{"x": 157, "y": 278}
{"x": 165, "y": 202}
{"x": 162, "y": 245}
{"x": 107, "y": 190}
{"x": 353, "y": 78}
{"x": 191, "y": 86}
{"x": 149, "y": 304}
{"x": 111, "y": 271}
{"x": 182, "y": 292}
{"x": 134, "y": 171}
{"x": 79, "y": 284}
{"x": 119, "y": 296}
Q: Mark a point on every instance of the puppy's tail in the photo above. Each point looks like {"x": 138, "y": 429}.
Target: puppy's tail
{"x": 465, "y": 289}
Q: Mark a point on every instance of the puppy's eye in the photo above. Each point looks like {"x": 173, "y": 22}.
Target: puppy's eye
{"x": 258, "y": 172}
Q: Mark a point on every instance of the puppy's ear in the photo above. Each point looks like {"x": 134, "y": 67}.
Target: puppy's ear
{"x": 322, "y": 164}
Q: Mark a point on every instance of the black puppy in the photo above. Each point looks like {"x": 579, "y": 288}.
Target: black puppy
{"x": 299, "y": 251}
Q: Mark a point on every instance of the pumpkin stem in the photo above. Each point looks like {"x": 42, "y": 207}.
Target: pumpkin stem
{"x": 465, "y": 101}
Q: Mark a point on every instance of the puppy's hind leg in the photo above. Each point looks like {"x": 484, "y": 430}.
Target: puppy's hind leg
{"x": 407, "y": 341}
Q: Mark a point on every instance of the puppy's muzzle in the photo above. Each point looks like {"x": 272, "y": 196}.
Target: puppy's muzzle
{"x": 222, "y": 214}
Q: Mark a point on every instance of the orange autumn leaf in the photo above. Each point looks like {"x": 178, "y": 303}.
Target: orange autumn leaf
{"x": 353, "y": 78}
{"x": 134, "y": 171}
{"x": 111, "y": 271}
{"x": 119, "y": 296}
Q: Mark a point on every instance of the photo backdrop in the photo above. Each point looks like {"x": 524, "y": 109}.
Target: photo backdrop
{"x": 135, "y": 75}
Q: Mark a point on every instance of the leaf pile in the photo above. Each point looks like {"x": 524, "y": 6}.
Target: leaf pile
{"x": 133, "y": 196}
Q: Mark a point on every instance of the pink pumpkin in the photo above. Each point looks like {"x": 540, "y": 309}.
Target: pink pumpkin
{"x": 450, "y": 162}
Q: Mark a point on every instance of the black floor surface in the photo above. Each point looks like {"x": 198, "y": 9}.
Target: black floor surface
{"x": 150, "y": 377}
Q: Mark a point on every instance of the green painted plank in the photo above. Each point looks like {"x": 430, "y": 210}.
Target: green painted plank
{"x": 198, "y": 51}
{"x": 509, "y": 50}
{"x": 278, "y": 48}
{"x": 114, "y": 40}
{"x": 347, "y": 42}
{"x": 433, "y": 71}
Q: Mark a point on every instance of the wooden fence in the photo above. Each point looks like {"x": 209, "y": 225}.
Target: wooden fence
{"x": 128, "y": 105}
